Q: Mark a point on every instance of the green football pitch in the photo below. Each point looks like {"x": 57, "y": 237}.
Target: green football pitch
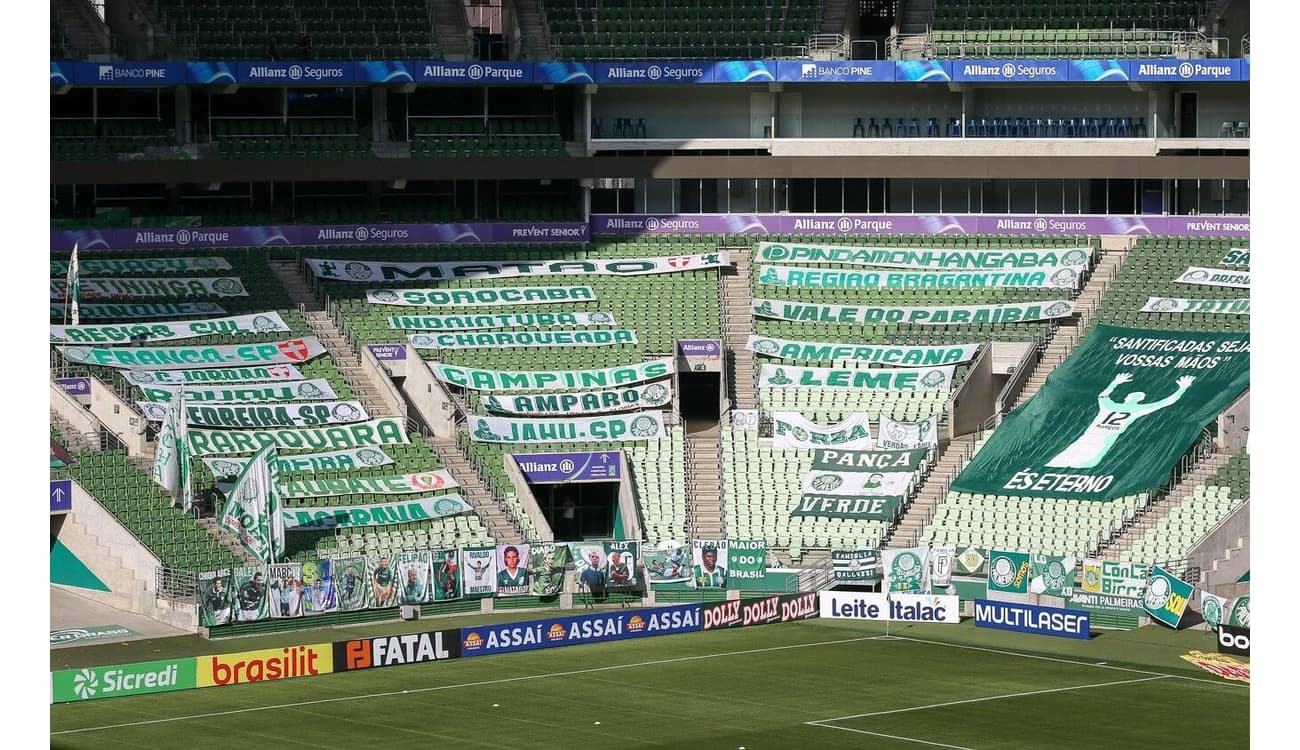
{"x": 810, "y": 684}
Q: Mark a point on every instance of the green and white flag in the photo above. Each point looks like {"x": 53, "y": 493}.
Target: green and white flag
{"x": 1239, "y": 615}
{"x": 1118, "y": 579}
{"x": 647, "y": 425}
{"x": 1166, "y": 596}
{"x": 1059, "y": 277}
{"x": 319, "y": 592}
{"x": 382, "y": 582}
{"x": 238, "y": 415}
{"x": 885, "y": 378}
{"x": 588, "y": 402}
{"x": 300, "y": 390}
{"x": 906, "y": 570}
{"x": 904, "y": 435}
{"x": 485, "y": 321}
{"x": 899, "y": 356}
{"x": 204, "y": 442}
{"x": 516, "y": 339}
{"x": 141, "y": 265}
{"x": 872, "y": 496}
{"x": 1213, "y": 608}
{"x": 970, "y": 561}
{"x": 791, "y": 430}
{"x": 250, "y": 503}
{"x": 250, "y": 591}
{"x": 1237, "y": 256}
{"x": 942, "y": 557}
{"x": 402, "y": 484}
{"x": 73, "y": 287}
{"x": 214, "y": 597}
{"x": 446, "y": 574}
{"x": 1240, "y": 306}
{"x": 184, "y": 357}
{"x": 668, "y": 565}
{"x": 113, "y": 311}
{"x": 1052, "y": 575}
{"x": 165, "y": 378}
{"x": 546, "y": 567}
{"x": 347, "y": 460}
{"x": 326, "y": 517}
{"x": 557, "y": 380}
{"x": 746, "y": 562}
{"x": 413, "y": 577}
{"x": 350, "y": 582}
{"x": 1214, "y": 277}
{"x": 171, "y": 460}
{"x": 479, "y": 571}
{"x": 115, "y": 333}
{"x": 1008, "y": 572}
{"x": 286, "y": 590}
{"x": 160, "y": 286}
{"x": 1010, "y": 312}
{"x": 911, "y": 257}
{"x": 366, "y": 270}
{"x": 480, "y": 296}
{"x": 1115, "y": 417}
{"x": 868, "y": 461}
{"x": 855, "y": 565}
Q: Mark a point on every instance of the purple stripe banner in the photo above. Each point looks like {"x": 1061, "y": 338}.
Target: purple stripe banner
{"x": 878, "y": 224}
{"x": 550, "y": 468}
{"x": 352, "y": 234}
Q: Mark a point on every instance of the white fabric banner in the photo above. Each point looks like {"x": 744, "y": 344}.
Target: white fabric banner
{"x": 160, "y": 286}
{"x": 1213, "y": 277}
{"x": 744, "y": 419}
{"x": 906, "y": 570}
{"x": 171, "y": 461}
{"x": 346, "y": 460}
{"x": 558, "y": 380}
{"x": 1010, "y": 312}
{"x": 113, "y": 311}
{"x": 901, "y": 378}
{"x": 185, "y": 357}
{"x": 481, "y": 296}
{"x": 213, "y": 375}
{"x": 1240, "y": 306}
{"x": 142, "y": 265}
{"x": 243, "y": 416}
{"x": 404, "y": 484}
{"x": 588, "y": 402}
{"x": 857, "y": 484}
{"x": 480, "y": 570}
{"x": 899, "y": 356}
{"x": 941, "y": 564}
{"x": 370, "y": 271}
{"x": 791, "y": 430}
{"x": 905, "y": 435}
{"x": 486, "y": 321}
{"x": 318, "y": 389}
{"x": 266, "y": 322}
{"x": 828, "y": 278}
{"x": 513, "y": 339}
{"x": 324, "y": 518}
{"x": 912, "y": 257}
{"x": 647, "y": 425}
{"x": 206, "y": 442}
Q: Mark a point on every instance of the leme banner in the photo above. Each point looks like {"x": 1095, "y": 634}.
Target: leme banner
{"x": 480, "y": 322}
{"x": 515, "y": 339}
{"x": 907, "y": 570}
{"x": 369, "y": 271}
{"x": 161, "y": 286}
{"x": 142, "y": 265}
{"x": 1059, "y": 277}
{"x": 183, "y": 357}
{"x": 1008, "y": 572}
{"x": 300, "y": 390}
{"x": 376, "y": 432}
{"x": 640, "y": 426}
{"x": 347, "y": 460}
{"x": 564, "y": 380}
{"x": 237, "y": 415}
{"x": 588, "y": 402}
{"x": 1115, "y": 417}
{"x": 142, "y": 310}
{"x": 791, "y": 430}
{"x": 896, "y": 435}
{"x": 886, "y": 378}
{"x": 277, "y": 373}
{"x": 1166, "y": 596}
{"x": 911, "y": 257}
{"x": 1214, "y": 277}
{"x": 401, "y": 484}
{"x": 855, "y": 565}
{"x": 267, "y": 322}
{"x": 1009, "y": 312}
{"x": 1239, "y": 306}
{"x": 900, "y": 356}
{"x": 479, "y": 571}
{"x": 480, "y": 296}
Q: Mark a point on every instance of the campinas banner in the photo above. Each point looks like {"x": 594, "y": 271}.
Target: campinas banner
{"x": 1115, "y": 417}
{"x": 266, "y": 322}
{"x": 184, "y": 357}
{"x": 911, "y": 257}
{"x": 552, "y": 380}
{"x": 641, "y": 426}
{"x": 369, "y": 271}
{"x": 1011, "y": 312}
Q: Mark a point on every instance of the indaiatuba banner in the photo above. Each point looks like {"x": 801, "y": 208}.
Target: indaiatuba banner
{"x": 213, "y": 375}
{"x": 162, "y": 286}
{"x": 346, "y": 460}
{"x": 367, "y": 271}
{"x": 910, "y": 257}
{"x": 480, "y": 296}
{"x": 376, "y": 432}
{"x": 402, "y": 484}
{"x": 642, "y": 426}
{"x": 300, "y": 390}
{"x": 182, "y": 357}
{"x": 588, "y": 402}
{"x": 146, "y": 310}
{"x": 141, "y": 265}
{"x": 825, "y": 278}
{"x": 1204, "y": 306}
{"x": 1011, "y": 312}
{"x": 479, "y": 322}
{"x": 521, "y": 380}
{"x": 380, "y": 514}
{"x": 217, "y": 414}
{"x": 1215, "y": 277}
{"x": 791, "y": 430}
{"x": 267, "y": 322}
{"x": 515, "y": 339}
{"x": 905, "y": 379}
{"x": 903, "y": 356}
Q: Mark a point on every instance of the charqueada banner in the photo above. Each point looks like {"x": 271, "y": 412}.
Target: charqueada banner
{"x": 114, "y": 311}
{"x": 640, "y": 426}
{"x": 319, "y": 593}
{"x": 791, "y": 430}
{"x": 210, "y": 376}
{"x": 326, "y": 518}
{"x": 546, "y": 563}
{"x": 855, "y": 565}
{"x": 1238, "y": 306}
{"x": 214, "y": 597}
{"x": 488, "y": 321}
{"x": 558, "y": 380}
{"x": 479, "y": 571}
{"x": 238, "y": 415}
{"x": 114, "y": 333}
{"x": 946, "y": 315}
{"x": 345, "y": 460}
{"x": 1058, "y": 277}
{"x": 884, "y": 378}
{"x": 300, "y": 390}
{"x": 160, "y": 286}
{"x": 905, "y": 435}
{"x": 205, "y": 442}
{"x": 480, "y": 296}
{"x": 370, "y": 271}
{"x": 96, "y": 266}
{"x": 250, "y": 587}
{"x": 517, "y": 339}
{"x": 446, "y": 574}
{"x": 512, "y": 570}
{"x": 1052, "y": 575}
{"x": 648, "y": 396}
{"x": 286, "y": 591}
{"x": 888, "y": 354}
{"x": 1214, "y": 277}
{"x": 672, "y": 565}
{"x": 912, "y": 257}
{"x": 183, "y": 357}
{"x": 1166, "y": 596}
{"x": 1008, "y": 572}
{"x": 400, "y": 484}
{"x": 907, "y": 570}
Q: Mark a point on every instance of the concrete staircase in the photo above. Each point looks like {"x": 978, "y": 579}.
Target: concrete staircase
{"x": 73, "y": 439}
{"x": 704, "y": 485}
{"x": 932, "y": 492}
{"x": 87, "y": 33}
{"x": 475, "y": 492}
{"x": 1160, "y": 507}
{"x": 534, "y": 39}
{"x": 451, "y": 29}
{"x": 213, "y": 527}
{"x": 736, "y": 297}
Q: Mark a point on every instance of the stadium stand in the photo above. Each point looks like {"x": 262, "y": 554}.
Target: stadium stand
{"x": 1151, "y": 270}
{"x": 1172, "y": 536}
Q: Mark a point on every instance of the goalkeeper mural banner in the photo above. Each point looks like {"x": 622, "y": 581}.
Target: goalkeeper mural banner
{"x": 1205, "y": 306}
{"x": 906, "y": 570}
{"x": 898, "y": 379}
{"x": 250, "y": 587}
{"x": 588, "y": 402}
{"x": 161, "y": 286}
{"x": 350, "y": 582}
{"x": 267, "y": 322}
{"x": 791, "y": 430}
{"x": 301, "y": 390}
{"x": 413, "y": 577}
{"x": 1051, "y": 575}
{"x": 1214, "y": 277}
{"x": 319, "y": 594}
{"x": 110, "y": 311}
{"x": 560, "y": 380}
{"x": 223, "y": 414}
{"x": 1057, "y": 277}
{"x": 1008, "y": 572}
{"x": 479, "y": 322}
{"x": 373, "y": 433}
{"x": 546, "y": 561}
{"x": 516, "y": 339}
{"x": 446, "y": 574}
{"x": 142, "y": 265}
{"x": 1239, "y": 615}
{"x": 214, "y": 597}
{"x": 401, "y": 484}
{"x": 1213, "y": 609}
{"x": 368, "y": 271}
{"x": 324, "y": 518}
{"x": 668, "y": 565}
{"x": 941, "y": 564}
{"x": 278, "y": 373}
{"x": 905, "y": 435}
{"x": 746, "y": 562}
{"x": 348, "y": 460}
{"x": 901, "y": 356}
{"x": 285, "y": 590}
{"x": 1166, "y": 596}
{"x": 1115, "y": 417}
{"x": 1011, "y": 312}
{"x": 480, "y": 296}
{"x": 479, "y": 571}
{"x": 855, "y": 565}
{"x": 643, "y": 426}
{"x": 910, "y": 257}
{"x": 182, "y": 357}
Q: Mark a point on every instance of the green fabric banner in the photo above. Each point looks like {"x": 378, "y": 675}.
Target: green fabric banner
{"x": 622, "y": 571}
{"x": 1008, "y": 572}
{"x": 1051, "y": 575}
{"x": 251, "y": 503}
{"x": 855, "y": 565}
{"x": 161, "y": 286}
{"x": 641, "y": 426}
{"x": 1239, "y": 615}
{"x": 178, "y": 378}
{"x": 516, "y": 339}
{"x": 143, "y": 265}
{"x": 375, "y": 432}
{"x": 1213, "y": 609}
{"x": 558, "y": 380}
{"x": 826, "y": 278}
{"x": 184, "y": 357}
{"x": 403, "y": 484}
{"x": 479, "y": 322}
{"x": 1010, "y": 312}
{"x": 324, "y": 518}
{"x": 446, "y": 574}
{"x": 1240, "y": 306}
{"x": 1214, "y": 277}
{"x": 115, "y": 311}
{"x": 911, "y": 257}
{"x": 587, "y": 402}
{"x": 350, "y": 580}
{"x": 970, "y": 561}
{"x": 868, "y": 461}
{"x": 1115, "y": 417}
{"x": 480, "y": 296}
{"x": 368, "y": 271}
{"x": 300, "y": 390}
{"x": 113, "y": 333}
{"x": 1166, "y": 596}
{"x": 348, "y": 460}
{"x": 899, "y": 356}
{"x": 899, "y": 379}
{"x": 171, "y": 460}
{"x": 238, "y": 415}
{"x": 546, "y": 564}
{"x": 250, "y": 587}
{"x": 862, "y": 485}
{"x": 214, "y": 597}
{"x": 746, "y": 562}
{"x": 907, "y": 570}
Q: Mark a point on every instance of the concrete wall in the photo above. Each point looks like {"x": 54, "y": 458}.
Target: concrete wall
{"x": 973, "y": 402}
{"x": 120, "y": 417}
{"x": 527, "y": 500}
{"x": 1233, "y": 530}
{"x": 1234, "y": 425}
{"x": 67, "y": 407}
{"x": 430, "y": 399}
{"x": 374, "y": 370}
{"x": 1007, "y": 355}
{"x": 627, "y": 504}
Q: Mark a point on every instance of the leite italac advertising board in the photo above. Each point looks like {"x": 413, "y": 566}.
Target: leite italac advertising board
{"x": 569, "y": 631}
{"x": 1028, "y": 618}
{"x": 839, "y": 605}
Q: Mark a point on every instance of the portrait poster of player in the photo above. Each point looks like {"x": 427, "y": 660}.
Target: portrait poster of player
{"x": 319, "y": 595}
{"x": 668, "y": 565}
{"x": 381, "y": 581}
{"x": 250, "y": 587}
{"x": 413, "y": 577}
{"x": 446, "y": 574}
{"x": 621, "y": 572}
{"x": 546, "y": 567}
{"x": 707, "y": 571}
{"x": 350, "y": 582}
{"x": 284, "y": 591}
{"x": 214, "y": 597}
{"x": 478, "y": 571}
{"x": 512, "y": 570}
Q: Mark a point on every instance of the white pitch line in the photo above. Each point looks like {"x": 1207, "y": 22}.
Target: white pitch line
{"x": 459, "y": 685}
{"x": 890, "y": 736}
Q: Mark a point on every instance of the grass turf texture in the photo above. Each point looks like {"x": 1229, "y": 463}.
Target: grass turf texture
{"x": 812, "y": 684}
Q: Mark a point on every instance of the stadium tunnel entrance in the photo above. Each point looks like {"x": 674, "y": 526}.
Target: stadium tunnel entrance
{"x": 579, "y": 510}
{"x": 700, "y": 399}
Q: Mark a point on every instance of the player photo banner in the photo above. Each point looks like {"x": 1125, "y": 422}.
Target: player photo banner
{"x": 668, "y": 565}
{"x": 910, "y": 257}
{"x": 1240, "y": 306}
{"x": 413, "y": 577}
{"x": 884, "y": 378}
{"x": 904, "y": 435}
{"x": 546, "y": 564}
{"x": 479, "y": 571}
{"x": 898, "y": 356}
{"x": 791, "y": 430}
{"x": 516, "y": 339}
{"x": 653, "y": 395}
{"x": 319, "y": 593}
{"x": 513, "y": 577}
{"x": 1166, "y": 596}
{"x": 238, "y": 415}
{"x": 641, "y": 426}
{"x": 214, "y": 597}
{"x": 1057, "y": 277}
{"x": 285, "y": 591}
{"x": 707, "y": 563}
{"x": 372, "y": 271}
{"x": 177, "y": 378}
{"x": 376, "y": 432}
{"x": 161, "y": 286}
{"x": 446, "y": 574}
{"x": 855, "y": 565}
{"x": 1214, "y": 277}
{"x": 907, "y": 570}
{"x": 481, "y": 296}
{"x": 250, "y": 584}
{"x": 948, "y": 315}
{"x": 325, "y": 518}
{"x": 562, "y": 380}
{"x": 182, "y": 357}
{"x": 383, "y": 582}
{"x": 480, "y": 322}
{"x": 125, "y": 333}
{"x": 1052, "y": 575}
{"x": 348, "y": 460}
{"x": 622, "y": 561}
{"x": 350, "y": 582}
{"x": 301, "y": 390}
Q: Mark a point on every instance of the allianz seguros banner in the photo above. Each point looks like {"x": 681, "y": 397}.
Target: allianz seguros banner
{"x": 1059, "y": 277}
{"x": 266, "y": 322}
{"x": 1113, "y": 418}
{"x": 369, "y": 271}
{"x": 101, "y": 288}
{"x": 182, "y": 357}
{"x": 641, "y": 426}
{"x": 907, "y": 257}
{"x": 298, "y": 390}
{"x": 900, "y": 356}
{"x": 1010, "y": 312}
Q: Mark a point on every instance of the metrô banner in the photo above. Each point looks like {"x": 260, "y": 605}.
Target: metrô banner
{"x": 367, "y": 271}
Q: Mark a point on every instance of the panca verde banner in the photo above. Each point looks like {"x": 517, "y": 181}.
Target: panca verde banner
{"x": 1010, "y": 312}
{"x": 479, "y": 322}
{"x": 220, "y": 414}
{"x": 300, "y": 390}
{"x": 903, "y": 356}
{"x": 824, "y": 278}
{"x": 1239, "y": 306}
{"x": 1115, "y": 417}
{"x": 562, "y": 380}
{"x": 348, "y": 460}
{"x": 903, "y": 435}
{"x": 481, "y": 296}
{"x": 141, "y": 265}
{"x": 212, "y": 375}
{"x": 911, "y": 257}
{"x": 1215, "y": 277}
{"x": 267, "y": 322}
{"x": 588, "y": 402}
{"x": 872, "y": 497}
{"x": 363, "y": 270}
{"x": 899, "y": 379}
{"x": 358, "y": 435}
{"x": 1166, "y": 596}
{"x": 143, "y": 310}
{"x": 324, "y": 518}
{"x": 855, "y": 565}
{"x": 402, "y": 484}
{"x": 182, "y": 357}
{"x": 162, "y": 286}
{"x": 509, "y": 339}
{"x": 868, "y": 461}
{"x": 791, "y": 430}
{"x": 642, "y": 426}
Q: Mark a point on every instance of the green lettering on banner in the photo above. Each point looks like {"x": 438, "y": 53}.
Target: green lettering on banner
{"x": 367, "y": 271}
{"x": 223, "y": 414}
{"x": 1240, "y": 306}
{"x": 178, "y": 378}
{"x": 376, "y": 432}
{"x": 1214, "y": 277}
{"x": 93, "y": 683}
{"x": 298, "y": 390}
{"x": 519, "y": 380}
{"x": 481, "y": 296}
{"x": 348, "y": 460}
{"x": 477, "y": 322}
{"x": 1166, "y": 596}
{"x": 402, "y": 484}
{"x": 1011, "y": 312}
{"x": 856, "y": 565}
{"x": 322, "y": 518}
{"x": 868, "y": 461}
{"x": 900, "y": 257}
{"x": 141, "y": 265}
{"x": 507, "y": 339}
{"x": 163, "y": 286}
{"x": 1237, "y": 256}
{"x": 791, "y": 430}
{"x": 825, "y": 278}
{"x": 1114, "y": 418}
{"x": 128, "y": 310}
{"x": 902, "y": 356}
{"x": 252, "y": 504}
{"x": 589, "y": 402}
{"x": 746, "y": 562}
{"x": 642, "y": 426}
{"x": 258, "y": 323}
{"x": 186, "y": 357}
{"x": 903, "y": 379}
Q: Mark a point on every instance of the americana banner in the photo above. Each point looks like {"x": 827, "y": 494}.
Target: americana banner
{"x": 883, "y": 378}
{"x": 516, "y": 339}
{"x": 214, "y": 597}
{"x": 479, "y": 571}
{"x": 369, "y": 271}
{"x": 480, "y": 296}
{"x": 558, "y": 380}
{"x": 376, "y": 432}
{"x": 114, "y": 311}
{"x": 899, "y": 356}
{"x": 1008, "y": 572}
{"x": 1115, "y": 417}
{"x": 350, "y": 582}
{"x": 250, "y": 585}
{"x": 286, "y": 591}
{"x": 667, "y": 565}
{"x": 896, "y": 435}
{"x": 513, "y": 575}
{"x": 616, "y": 428}
{"x": 791, "y": 430}
{"x": 855, "y": 565}
{"x": 257, "y": 323}
{"x": 1239, "y": 306}
{"x": 546, "y": 563}
{"x": 346, "y": 460}
{"x": 325, "y": 518}
{"x": 251, "y": 503}
{"x": 277, "y": 373}
{"x": 237, "y": 415}
{"x": 301, "y": 390}
{"x": 1059, "y": 277}
{"x": 401, "y": 484}
{"x": 486, "y": 321}
{"x": 1214, "y": 277}
{"x": 907, "y": 570}
{"x": 746, "y": 562}
{"x": 1166, "y": 596}
{"x": 588, "y": 402}
{"x": 319, "y": 593}
{"x": 1051, "y": 575}
{"x": 446, "y": 574}
{"x": 413, "y": 577}
{"x": 160, "y": 286}
{"x": 948, "y": 315}
{"x": 912, "y": 257}
{"x": 142, "y": 265}
{"x": 183, "y": 357}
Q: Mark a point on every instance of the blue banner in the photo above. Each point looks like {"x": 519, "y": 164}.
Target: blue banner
{"x": 210, "y": 73}
{"x": 440, "y": 71}
{"x": 382, "y": 71}
{"x": 1028, "y": 618}
{"x": 569, "y": 631}
{"x": 923, "y": 71}
{"x": 1010, "y": 71}
{"x": 654, "y": 73}
{"x": 125, "y": 73}
{"x": 61, "y": 497}
{"x": 550, "y": 468}
{"x": 833, "y": 71}
{"x": 1169, "y": 69}
{"x": 59, "y": 75}
{"x": 294, "y": 73}
{"x": 1094, "y": 71}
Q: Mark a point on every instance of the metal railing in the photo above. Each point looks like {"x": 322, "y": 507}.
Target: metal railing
{"x": 1182, "y": 44}
{"x": 174, "y": 584}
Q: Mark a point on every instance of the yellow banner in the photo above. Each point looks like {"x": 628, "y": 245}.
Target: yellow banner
{"x": 268, "y": 664}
